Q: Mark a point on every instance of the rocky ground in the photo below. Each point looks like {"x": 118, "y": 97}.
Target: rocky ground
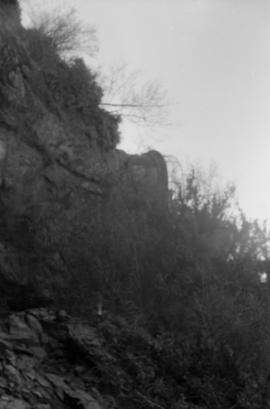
{"x": 49, "y": 360}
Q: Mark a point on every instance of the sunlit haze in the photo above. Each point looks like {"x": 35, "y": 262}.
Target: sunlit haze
{"x": 213, "y": 58}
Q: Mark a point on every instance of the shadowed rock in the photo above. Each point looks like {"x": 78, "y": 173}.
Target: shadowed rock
{"x": 149, "y": 178}
{"x": 50, "y": 360}
{"x": 59, "y": 171}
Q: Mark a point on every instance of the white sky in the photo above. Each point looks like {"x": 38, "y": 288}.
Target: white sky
{"x": 213, "y": 57}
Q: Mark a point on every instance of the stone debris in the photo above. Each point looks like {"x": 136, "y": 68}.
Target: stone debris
{"x": 34, "y": 373}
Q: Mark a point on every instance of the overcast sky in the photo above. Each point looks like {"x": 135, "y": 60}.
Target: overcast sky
{"x": 213, "y": 57}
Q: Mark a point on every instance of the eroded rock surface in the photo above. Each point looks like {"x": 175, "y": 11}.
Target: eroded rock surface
{"x": 50, "y": 360}
{"x": 34, "y": 368}
{"x": 60, "y": 171}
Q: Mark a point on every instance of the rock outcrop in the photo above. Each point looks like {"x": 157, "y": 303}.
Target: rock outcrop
{"x": 59, "y": 166}
{"x": 49, "y": 360}
{"x": 148, "y": 176}
{"x": 34, "y": 373}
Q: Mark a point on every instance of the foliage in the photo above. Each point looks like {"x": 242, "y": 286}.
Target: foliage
{"x": 218, "y": 222}
{"x": 190, "y": 278}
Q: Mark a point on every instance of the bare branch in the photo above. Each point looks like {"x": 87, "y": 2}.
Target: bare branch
{"x": 69, "y": 35}
{"x": 140, "y": 101}
{"x": 125, "y": 93}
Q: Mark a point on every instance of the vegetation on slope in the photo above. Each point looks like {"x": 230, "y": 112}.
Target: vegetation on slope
{"x": 188, "y": 278}
{"x": 64, "y": 87}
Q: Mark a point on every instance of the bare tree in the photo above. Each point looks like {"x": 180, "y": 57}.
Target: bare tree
{"x": 69, "y": 35}
{"x": 140, "y": 101}
{"x": 125, "y": 93}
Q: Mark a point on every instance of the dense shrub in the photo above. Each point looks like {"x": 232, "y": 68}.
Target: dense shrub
{"x": 192, "y": 274}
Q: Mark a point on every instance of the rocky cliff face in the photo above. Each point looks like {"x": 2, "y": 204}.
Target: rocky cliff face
{"x": 60, "y": 170}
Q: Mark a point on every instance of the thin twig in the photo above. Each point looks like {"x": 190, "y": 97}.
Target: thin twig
{"x": 150, "y": 402}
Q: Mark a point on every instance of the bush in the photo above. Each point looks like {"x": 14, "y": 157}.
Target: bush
{"x": 67, "y": 34}
{"x": 173, "y": 276}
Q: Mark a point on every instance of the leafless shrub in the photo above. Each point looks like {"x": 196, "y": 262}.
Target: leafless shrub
{"x": 68, "y": 34}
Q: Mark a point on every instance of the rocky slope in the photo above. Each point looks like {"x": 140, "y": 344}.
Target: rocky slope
{"x": 164, "y": 321}
{"x": 49, "y": 360}
{"x": 62, "y": 183}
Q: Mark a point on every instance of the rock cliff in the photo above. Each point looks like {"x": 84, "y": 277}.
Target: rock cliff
{"x": 60, "y": 170}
